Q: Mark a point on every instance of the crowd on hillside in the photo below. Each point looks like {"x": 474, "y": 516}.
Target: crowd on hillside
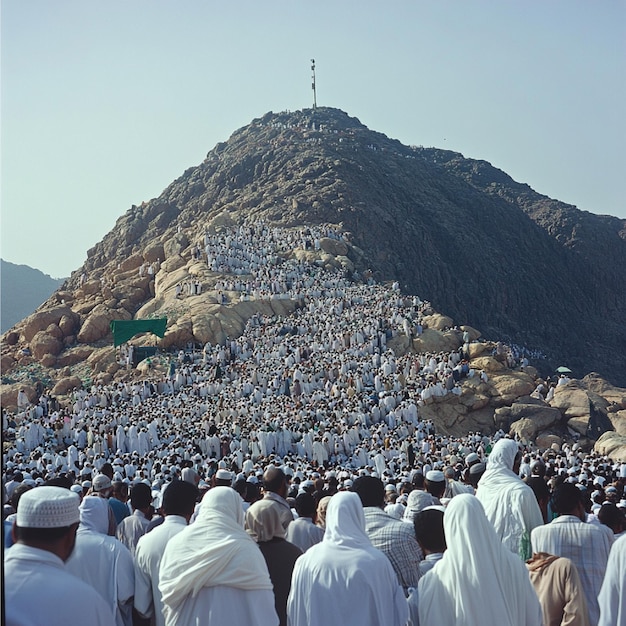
{"x": 308, "y": 430}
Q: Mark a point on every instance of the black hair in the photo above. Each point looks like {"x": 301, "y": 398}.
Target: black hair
{"x": 418, "y": 480}
{"x": 179, "y": 498}
{"x": 140, "y": 496}
{"x": 41, "y": 535}
{"x": 370, "y": 489}
{"x": 429, "y": 532}
{"x": 566, "y": 498}
{"x": 305, "y": 505}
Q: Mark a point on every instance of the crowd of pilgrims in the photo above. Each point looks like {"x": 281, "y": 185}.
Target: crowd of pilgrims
{"x": 286, "y": 476}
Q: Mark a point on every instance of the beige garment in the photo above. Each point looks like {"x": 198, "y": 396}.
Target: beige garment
{"x": 559, "y": 589}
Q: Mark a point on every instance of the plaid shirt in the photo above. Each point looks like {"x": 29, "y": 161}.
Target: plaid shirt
{"x": 397, "y": 541}
{"x": 587, "y": 545}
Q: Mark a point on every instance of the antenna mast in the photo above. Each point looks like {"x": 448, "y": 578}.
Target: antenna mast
{"x": 313, "y": 84}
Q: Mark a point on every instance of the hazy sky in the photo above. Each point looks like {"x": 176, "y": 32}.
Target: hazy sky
{"x": 105, "y": 103}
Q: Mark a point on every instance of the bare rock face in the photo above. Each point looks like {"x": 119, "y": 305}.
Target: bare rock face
{"x": 507, "y": 386}
{"x": 526, "y": 420}
{"x": 40, "y": 320}
{"x": 613, "y": 445}
{"x": 66, "y": 385}
{"x": 8, "y": 395}
{"x": 43, "y": 343}
{"x": 438, "y": 321}
{"x": 432, "y": 340}
{"x": 96, "y": 326}
{"x": 546, "y": 441}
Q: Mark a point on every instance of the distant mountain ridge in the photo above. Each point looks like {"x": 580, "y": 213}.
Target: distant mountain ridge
{"x": 23, "y": 289}
{"x": 484, "y": 249}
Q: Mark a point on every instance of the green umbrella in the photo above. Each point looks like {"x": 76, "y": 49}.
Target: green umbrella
{"x": 563, "y": 370}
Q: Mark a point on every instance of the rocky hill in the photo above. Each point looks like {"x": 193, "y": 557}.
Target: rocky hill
{"x": 487, "y": 251}
{"x": 23, "y": 289}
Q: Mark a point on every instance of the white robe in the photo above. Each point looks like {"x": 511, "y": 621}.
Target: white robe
{"x": 213, "y": 573}
{"x": 477, "y": 581}
{"x": 344, "y": 579}
{"x": 39, "y": 590}
{"x": 612, "y": 596}
{"x": 148, "y": 556}
{"x": 510, "y": 504}
{"x": 102, "y": 561}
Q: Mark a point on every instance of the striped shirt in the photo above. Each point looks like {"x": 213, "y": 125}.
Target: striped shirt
{"x": 586, "y": 545}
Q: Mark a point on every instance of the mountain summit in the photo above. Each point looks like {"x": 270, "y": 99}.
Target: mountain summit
{"x": 486, "y": 250}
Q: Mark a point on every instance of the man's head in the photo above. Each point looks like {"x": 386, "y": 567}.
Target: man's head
{"x": 610, "y": 515}
{"x": 542, "y": 493}
{"x": 274, "y": 480}
{"x": 47, "y": 518}
{"x": 567, "y": 499}
{"x": 179, "y": 498}
{"x": 223, "y": 478}
{"x": 428, "y": 525}
{"x": 102, "y": 485}
{"x": 305, "y": 505}
{"x": 435, "y": 483}
{"x": 141, "y": 497}
{"x": 370, "y": 490}
{"x": 418, "y": 480}
{"x": 119, "y": 490}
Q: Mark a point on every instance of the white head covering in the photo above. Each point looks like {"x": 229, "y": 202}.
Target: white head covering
{"x": 345, "y": 521}
{"x": 326, "y": 576}
{"x": 503, "y": 455}
{"x": 477, "y": 578}
{"x": 94, "y": 514}
{"x": 214, "y": 550}
{"x": 48, "y": 507}
{"x": 416, "y": 502}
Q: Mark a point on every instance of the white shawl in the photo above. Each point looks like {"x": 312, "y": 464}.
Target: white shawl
{"x": 510, "y": 505}
{"x": 478, "y": 581}
{"x": 213, "y": 551}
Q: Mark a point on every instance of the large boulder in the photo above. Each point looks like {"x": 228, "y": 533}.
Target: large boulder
{"x": 612, "y": 445}
{"x": 42, "y": 319}
{"x": 334, "y": 246}
{"x": 65, "y": 385}
{"x": 43, "y": 343}
{"x": 477, "y": 349}
{"x": 154, "y": 252}
{"x": 96, "y": 326}
{"x": 507, "y": 386}
{"x": 8, "y": 394}
{"x": 526, "y": 419}
{"x": 545, "y": 441}
{"x": 488, "y": 364}
{"x": 437, "y": 321}
{"x": 473, "y": 333}
{"x": 432, "y": 340}
{"x": 75, "y": 355}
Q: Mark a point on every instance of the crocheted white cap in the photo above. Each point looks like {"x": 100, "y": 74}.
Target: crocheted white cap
{"x": 48, "y": 507}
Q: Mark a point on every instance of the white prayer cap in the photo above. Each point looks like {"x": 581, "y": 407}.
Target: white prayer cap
{"x": 76, "y": 489}
{"x": 223, "y": 474}
{"x": 347, "y": 483}
{"x": 435, "y": 476}
{"x": 390, "y": 488}
{"x": 48, "y": 507}
{"x": 599, "y": 480}
{"x": 101, "y": 481}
